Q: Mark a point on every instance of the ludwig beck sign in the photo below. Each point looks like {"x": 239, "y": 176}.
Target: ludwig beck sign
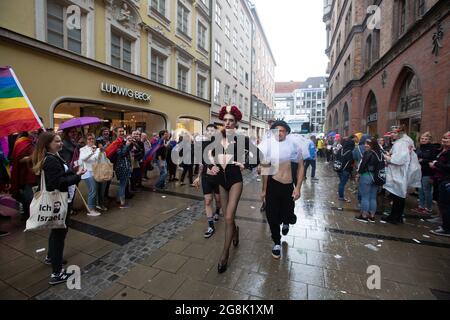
{"x": 125, "y": 92}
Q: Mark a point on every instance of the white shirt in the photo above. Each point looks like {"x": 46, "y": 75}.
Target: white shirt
{"x": 87, "y": 160}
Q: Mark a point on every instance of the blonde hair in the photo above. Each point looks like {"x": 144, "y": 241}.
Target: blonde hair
{"x": 427, "y": 135}
{"x": 38, "y": 156}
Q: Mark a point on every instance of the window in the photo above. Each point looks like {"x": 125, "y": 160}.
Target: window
{"x": 201, "y": 86}
{"x": 57, "y": 32}
{"x": 227, "y": 27}
{"x": 246, "y": 109}
{"x": 120, "y": 52}
{"x": 375, "y": 45}
{"x": 183, "y": 78}
{"x": 402, "y": 17}
{"x": 246, "y": 79}
{"x": 234, "y": 97}
{"x": 338, "y": 44}
{"x": 218, "y": 52}
{"x": 159, "y": 6}
{"x": 216, "y": 91}
{"x": 241, "y": 101}
{"x": 183, "y": 19}
{"x": 346, "y": 74}
{"x": 158, "y": 67}
{"x": 202, "y": 36}
{"x": 227, "y": 61}
{"x": 235, "y": 68}
{"x": 241, "y": 47}
{"x": 369, "y": 52}
{"x": 420, "y": 8}
{"x": 241, "y": 74}
{"x": 218, "y": 17}
{"x": 235, "y": 43}
{"x": 226, "y": 98}
{"x": 348, "y": 21}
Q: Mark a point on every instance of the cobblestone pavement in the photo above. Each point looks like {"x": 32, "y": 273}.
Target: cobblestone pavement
{"x": 156, "y": 250}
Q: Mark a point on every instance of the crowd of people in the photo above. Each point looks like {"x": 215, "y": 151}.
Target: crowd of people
{"x": 382, "y": 167}
{"x": 389, "y": 167}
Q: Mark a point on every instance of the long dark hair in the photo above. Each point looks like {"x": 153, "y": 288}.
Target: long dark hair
{"x": 43, "y": 144}
{"x": 373, "y": 143}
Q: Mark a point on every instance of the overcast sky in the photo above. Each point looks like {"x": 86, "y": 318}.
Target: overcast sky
{"x": 296, "y": 35}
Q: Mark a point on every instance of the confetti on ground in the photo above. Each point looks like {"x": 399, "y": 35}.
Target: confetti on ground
{"x": 344, "y": 292}
{"x": 252, "y": 207}
{"x": 300, "y": 251}
{"x": 338, "y": 256}
{"x": 415, "y": 240}
{"x": 425, "y": 236}
{"x": 371, "y": 247}
{"x": 188, "y": 209}
{"x": 379, "y": 245}
{"x": 40, "y": 250}
{"x": 422, "y": 220}
{"x": 426, "y": 227}
{"x": 259, "y": 180}
{"x": 383, "y": 222}
{"x": 380, "y": 241}
{"x": 163, "y": 197}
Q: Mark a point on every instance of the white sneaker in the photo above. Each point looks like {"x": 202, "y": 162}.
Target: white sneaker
{"x": 437, "y": 220}
{"x": 94, "y": 213}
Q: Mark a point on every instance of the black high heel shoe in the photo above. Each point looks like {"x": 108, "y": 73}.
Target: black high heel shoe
{"x": 222, "y": 266}
{"x": 236, "y": 240}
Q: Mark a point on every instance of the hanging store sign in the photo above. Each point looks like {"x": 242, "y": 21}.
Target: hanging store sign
{"x": 125, "y": 92}
{"x": 373, "y": 117}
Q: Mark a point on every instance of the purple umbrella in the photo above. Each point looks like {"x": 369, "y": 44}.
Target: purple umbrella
{"x": 80, "y": 122}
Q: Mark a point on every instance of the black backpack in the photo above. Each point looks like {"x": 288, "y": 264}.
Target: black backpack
{"x": 378, "y": 172}
{"x": 338, "y": 164}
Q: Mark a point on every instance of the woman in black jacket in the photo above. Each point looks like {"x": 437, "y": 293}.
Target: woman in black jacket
{"x": 58, "y": 176}
{"x": 367, "y": 187}
{"x": 426, "y": 153}
{"x": 442, "y": 167}
{"x": 346, "y": 157}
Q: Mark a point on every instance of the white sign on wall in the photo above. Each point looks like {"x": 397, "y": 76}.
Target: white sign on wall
{"x": 125, "y": 92}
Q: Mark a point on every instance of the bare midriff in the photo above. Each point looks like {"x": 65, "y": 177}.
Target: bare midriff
{"x": 284, "y": 174}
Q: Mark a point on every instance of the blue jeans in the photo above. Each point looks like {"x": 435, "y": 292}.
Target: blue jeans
{"x": 368, "y": 191}
{"x": 92, "y": 192}
{"x": 343, "y": 177}
{"x": 101, "y": 189}
{"x": 162, "y": 174}
{"x": 426, "y": 193}
{"x": 123, "y": 181}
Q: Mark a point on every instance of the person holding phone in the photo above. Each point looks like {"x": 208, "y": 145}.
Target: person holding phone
{"x": 89, "y": 155}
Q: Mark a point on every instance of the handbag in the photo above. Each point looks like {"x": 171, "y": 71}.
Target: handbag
{"x": 48, "y": 209}
{"x": 103, "y": 170}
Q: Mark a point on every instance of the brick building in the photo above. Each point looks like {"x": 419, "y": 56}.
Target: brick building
{"x": 389, "y": 65}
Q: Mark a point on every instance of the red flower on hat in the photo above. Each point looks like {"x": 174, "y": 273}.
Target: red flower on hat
{"x": 233, "y": 110}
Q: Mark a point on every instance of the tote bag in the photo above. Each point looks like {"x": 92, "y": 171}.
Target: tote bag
{"x": 48, "y": 209}
{"x": 103, "y": 170}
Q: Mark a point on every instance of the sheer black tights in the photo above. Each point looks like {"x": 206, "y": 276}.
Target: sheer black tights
{"x": 230, "y": 200}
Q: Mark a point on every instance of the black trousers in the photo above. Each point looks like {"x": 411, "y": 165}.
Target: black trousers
{"x": 56, "y": 246}
{"x": 279, "y": 207}
{"x": 311, "y": 163}
{"x": 398, "y": 207}
{"x": 444, "y": 204}
{"x": 187, "y": 168}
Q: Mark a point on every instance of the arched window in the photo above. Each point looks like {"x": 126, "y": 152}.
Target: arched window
{"x": 410, "y": 95}
{"x": 336, "y": 121}
{"x": 346, "y": 116}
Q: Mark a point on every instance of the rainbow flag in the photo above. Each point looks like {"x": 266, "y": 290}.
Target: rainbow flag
{"x": 16, "y": 112}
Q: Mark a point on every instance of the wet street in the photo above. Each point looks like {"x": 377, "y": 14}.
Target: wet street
{"x": 156, "y": 250}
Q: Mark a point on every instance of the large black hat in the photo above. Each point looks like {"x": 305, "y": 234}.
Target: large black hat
{"x": 281, "y": 123}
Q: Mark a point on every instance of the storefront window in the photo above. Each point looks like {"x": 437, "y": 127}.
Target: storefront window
{"x": 192, "y": 126}
{"x": 112, "y": 116}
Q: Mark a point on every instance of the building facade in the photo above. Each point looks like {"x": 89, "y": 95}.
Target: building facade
{"x": 137, "y": 63}
{"x": 285, "y": 99}
{"x": 263, "y": 78}
{"x": 310, "y": 99}
{"x": 389, "y": 65}
{"x": 231, "y": 58}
